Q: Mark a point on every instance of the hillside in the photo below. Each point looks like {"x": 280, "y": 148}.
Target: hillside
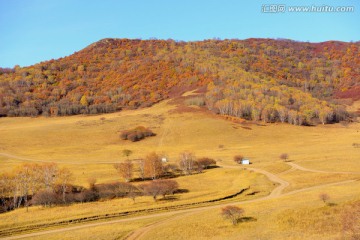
{"x": 255, "y": 79}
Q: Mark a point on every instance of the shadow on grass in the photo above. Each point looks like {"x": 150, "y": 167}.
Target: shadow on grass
{"x": 182, "y": 190}
{"x": 169, "y": 198}
{"x": 212, "y": 167}
{"x": 246, "y": 219}
{"x": 330, "y": 204}
{"x": 252, "y": 193}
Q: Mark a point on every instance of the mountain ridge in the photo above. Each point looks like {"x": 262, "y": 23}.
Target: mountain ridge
{"x": 112, "y": 74}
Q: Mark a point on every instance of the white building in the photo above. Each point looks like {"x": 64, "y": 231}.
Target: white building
{"x": 245, "y": 161}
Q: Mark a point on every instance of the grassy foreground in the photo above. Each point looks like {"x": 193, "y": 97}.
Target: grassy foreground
{"x": 298, "y": 216}
{"x": 213, "y": 184}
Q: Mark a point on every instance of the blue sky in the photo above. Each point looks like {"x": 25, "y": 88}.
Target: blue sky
{"x": 37, "y": 30}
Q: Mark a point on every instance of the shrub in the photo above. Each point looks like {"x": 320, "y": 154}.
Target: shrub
{"x": 324, "y": 197}
{"x": 356, "y": 145}
{"x": 86, "y": 196}
{"x": 284, "y": 156}
{"x": 124, "y": 135}
{"x": 159, "y": 187}
{"x": 133, "y": 137}
{"x": 46, "y": 198}
{"x": 232, "y": 213}
{"x": 238, "y": 158}
{"x": 205, "y": 162}
{"x": 113, "y": 190}
{"x": 136, "y": 134}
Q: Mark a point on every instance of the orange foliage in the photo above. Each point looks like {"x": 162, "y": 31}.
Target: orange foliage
{"x": 120, "y": 73}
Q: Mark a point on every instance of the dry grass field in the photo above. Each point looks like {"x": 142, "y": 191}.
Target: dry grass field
{"x": 213, "y": 184}
{"x": 89, "y": 145}
{"x": 297, "y": 216}
{"x": 105, "y": 232}
{"x": 85, "y": 141}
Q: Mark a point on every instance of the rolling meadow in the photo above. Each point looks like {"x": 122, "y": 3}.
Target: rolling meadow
{"x": 322, "y": 159}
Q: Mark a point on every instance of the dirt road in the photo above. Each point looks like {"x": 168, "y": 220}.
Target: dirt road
{"x": 296, "y": 166}
{"x": 26, "y": 159}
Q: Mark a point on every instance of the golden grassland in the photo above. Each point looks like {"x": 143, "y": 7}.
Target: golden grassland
{"x": 84, "y": 141}
{"x": 212, "y": 184}
{"x": 105, "y": 232}
{"x": 300, "y": 179}
{"x": 88, "y": 145}
{"x": 298, "y": 216}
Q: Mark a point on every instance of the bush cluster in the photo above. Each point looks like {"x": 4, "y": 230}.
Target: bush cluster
{"x": 47, "y": 197}
{"x": 136, "y": 134}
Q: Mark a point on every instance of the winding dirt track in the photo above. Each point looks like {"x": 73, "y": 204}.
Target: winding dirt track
{"x": 174, "y": 215}
{"x": 8, "y": 155}
{"x": 295, "y": 166}
{"x": 20, "y": 158}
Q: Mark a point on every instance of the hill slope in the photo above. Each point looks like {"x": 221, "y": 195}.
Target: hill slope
{"x": 258, "y": 79}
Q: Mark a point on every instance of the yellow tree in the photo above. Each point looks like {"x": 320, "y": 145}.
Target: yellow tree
{"x": 27, "y": 178}
{"x": 64, "y": 178}
{"x": 153, "y": 166}
{"x": 84, "y": 101}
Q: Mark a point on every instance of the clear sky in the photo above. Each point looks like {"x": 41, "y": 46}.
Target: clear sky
{"x": 37, "y": 30}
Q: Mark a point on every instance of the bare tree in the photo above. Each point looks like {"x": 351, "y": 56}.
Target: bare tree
{"x": 125, "y": 169}
{"x": 324, "y": 197}
{"x": 284, "y": 156}
{"x": 150, "y": 189}
{"x": 92, "y": 181}
{"x": 198, "y": 167}
{"x": 49, "y": 172}
{"x": 121, "y": 189}
{"x": 232, "y": 213}
{"x": 141, "y": 165}
{"x": 168, "y": 186}
{"x": 171, "y": 167}
{"x": 187, "y": 162}
{"x": 132, "y": 192}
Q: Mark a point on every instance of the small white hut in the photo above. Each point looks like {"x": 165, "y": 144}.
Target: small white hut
{"x": 245, "y": 161}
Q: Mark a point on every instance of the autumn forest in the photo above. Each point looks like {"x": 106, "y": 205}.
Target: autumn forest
{"x": 256, "y": 79}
